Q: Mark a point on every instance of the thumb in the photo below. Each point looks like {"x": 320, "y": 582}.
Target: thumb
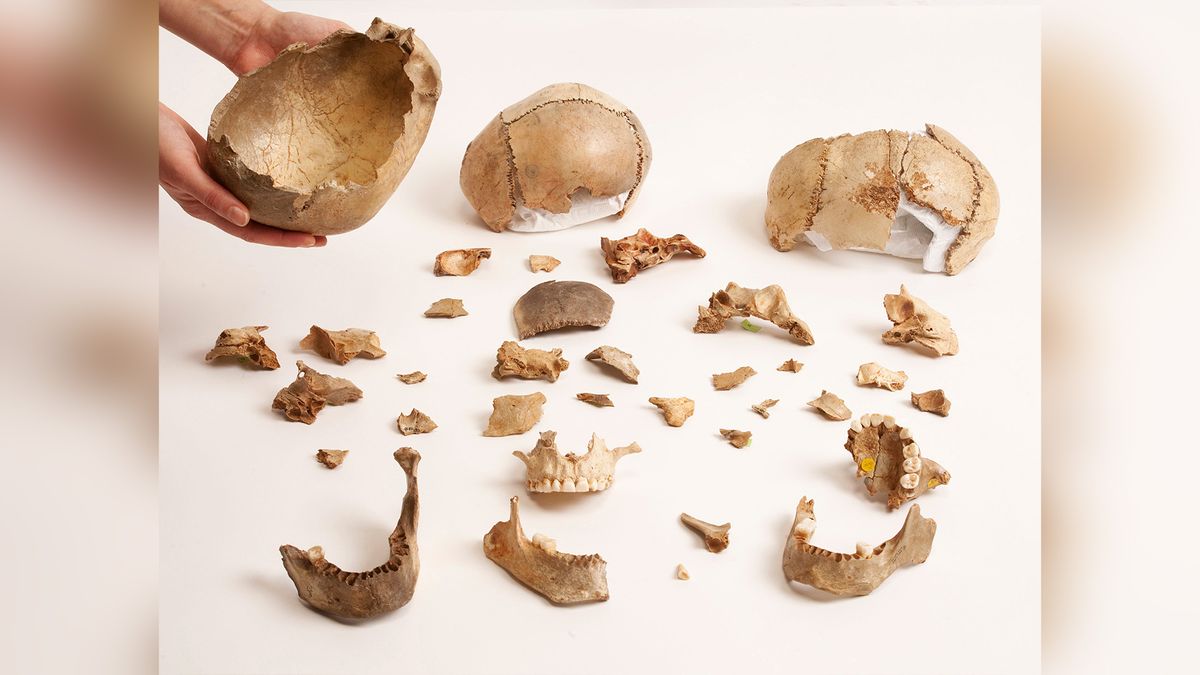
{"x": 180, "y": 166}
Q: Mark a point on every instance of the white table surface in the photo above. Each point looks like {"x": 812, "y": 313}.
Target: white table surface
{"x": 722, "y": 93}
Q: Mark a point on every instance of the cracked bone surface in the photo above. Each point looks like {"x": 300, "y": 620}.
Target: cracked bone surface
{"x": 319, "y": 138}
{"x": 888, "y": 459}
{"x": 513, "y": 360}
{"x": 543, "y": 263}
{"x": 856, "y": 573}
{"x": 918, "y": 195}
{"x": 446, "y": 308}
{"x": 873, "y": 374}
{"x": 768, "y": 304}
{"x": 552, "y": 305}
{"x": 459, "y": 262}
{"x": 324, "y": 586}
{"x": 915, "y": 321}
{"x": 561, "y": 578}
{"x": 831, "y": 406}
{"x": 640, "y": 250}
{"x": 618, "y": 360}
{"x": 548, "y": 471}
{"x": 675, "y": 410}
{"x": 310, "y": 392}
{"x": 565, "y": 155}
{"x": 514, "y": 414}
{"x": 415, "y": 422}
{"x": 340, "y": 346}
{"x": 716, "y": 537}
{"x": 932, "y": 401}
{"x": 247, "y": 345}
{"x": 727, "y": 381}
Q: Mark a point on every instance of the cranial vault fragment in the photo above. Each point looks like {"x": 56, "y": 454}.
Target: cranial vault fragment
{"x": 738, "y": 439}
{"x": 887, "y": 458}
{"x": 568, "y": 154}
{"x": 514, "y": 414}
{"x": 831, "y": 406}
{"x": 246, "y": 345}
{"x": 915, "y": 321}
{"x": 543, "y": 263}
{"x": 716, "y": 537}
{"x": 856, "y": 573}
{"x": 414, "y": 377}
{"x": 318, "y": 139}
{"x": 332, "y": 459}
{"x": 874, "y": 374}
{"x": 626, "y": 257}
{"x": 727, "y": 381}
{"x": 769, "y": 304}
{"x": 562, "y": 578}
{"x": 362, "y": 595}
{"x": 790, "y": 366}
{"x": 913, "y": 195}
{"x": 513, "y": 360}
{"x": 415, "y": 422}
{"x": 620, "y": 361}
{"x": 548, "y": 471}
{"x": 675, "y": 410}
{"x": 342, "y": 345}
{"x": 932, "y": 401}
{"x": 552, "y": 305}
{"x": 446, "y": 308}
{"x": 598, "y": 400}
{"x": 310, "y": 392}
{"x": 460, "y": 262}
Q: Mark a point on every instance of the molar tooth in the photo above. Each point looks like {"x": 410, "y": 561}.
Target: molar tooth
{"x": 805, "y": 528}
{"x": 876, "y": 419}
{"x": 906, "y": 433}
{"x": 912, "y": 465}
{"x": 568, "y": 485}
{"x": 909, "y": 481}
{"x": 545, "y": 543}
{"x": 863, "y": 549}
{"x": 912, "y": 450}
{"x": 856, "y": 426}
{"x": 889, "y": 422}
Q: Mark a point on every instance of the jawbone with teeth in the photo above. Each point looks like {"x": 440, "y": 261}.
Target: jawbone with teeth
{"x": 888, "y": 458}
{"x": 856, "y": 573}
{"x": 548, "y": 471}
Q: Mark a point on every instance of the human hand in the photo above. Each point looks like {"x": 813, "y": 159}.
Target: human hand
{"x": 181, "y": 152}
{"x": 273, "y": 31}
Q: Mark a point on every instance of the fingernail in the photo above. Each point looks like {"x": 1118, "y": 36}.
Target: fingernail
{"x": 238, "y": 216}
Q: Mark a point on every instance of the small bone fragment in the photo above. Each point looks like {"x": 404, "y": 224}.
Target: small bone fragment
{"x": 460, "y": 262}
{"x": 548, "y": 471}
{"x": 886, "y": 458}
{"x": 769, "y": 304}
{"x": 446, "y": 308}
{"x": 247, "y": 345}
{"x": 716, "y": 537}
{"x": 619, "y": 360}
{"x": 681, "y": 572}
{"x": 412, "y": 378}
{"x": 856, "y": 573}
{"x": 562, "y": 578}
{"x": 761, "y": 408}
{"x": 361, "y": 595}
{"x": 598, "y": 400}
{"x": 790, "y": 366}
{"x": 552, "y": 305}
{"x": 332, "y": 459}
{"x": 543, "y": 263}
{"x": 514, "y": 414}
{"x": 932, "y": 401}
{"x": 738, "y": 439}
{"x": 513, "y": 360}
{"x": 340, "y": 346}
{"x": 875, "y": 374}
{"x": 831, "y": 406}
{"x": 675, "y": 410}
{"x": 415, "y": 422}
{"x": 727, "y": 381}
{"x": 310, "y": 392}
{"x": 626, "y": 257}
{"x": 915, "y": 321}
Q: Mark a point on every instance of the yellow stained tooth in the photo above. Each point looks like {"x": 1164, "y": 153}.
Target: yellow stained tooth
{"x": 867, "y": 464}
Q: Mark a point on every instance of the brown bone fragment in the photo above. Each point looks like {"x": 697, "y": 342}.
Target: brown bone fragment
{"x": 769, "y": 304}
{"x": 513, "y": 360}
{"x": 514, "y": 414}
{"x": 340, "y": 346}
{"x": 932, "y": 401}
{"x": 247, "y": 345}
{"x": 310, "y": 392}
{"x": 727, "y": 381}
{"x": 460, "y": 262}
{"x": 626, "y": 257}
{"x": 716, "y": 537}
{"x": 552, "y": 305}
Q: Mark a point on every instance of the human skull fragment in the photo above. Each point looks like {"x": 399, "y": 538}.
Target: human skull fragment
{"x": 763, "y": 409}
{"x": 247, "y": 345}
{"x": 674, "y": 410}
{"x": 332, "y": 459}
{"x": 310, "y": 392}
{"x": 446, "y": 308}
{"x": 736, "y": 438}
{"x": 932, "y": 401}
{"x": 640, "y": 250}
{"x": 727, "y": 381}
{"x": 543, "y": 263}
{"x": 889, "y": 460}
{"x": 513, "y": 360}
{"x": 552, "y": 305}
{"x": 548, "y": 471}
{"x": 514, "y": 414}
{"x": 460, "y": 262}
{"x": 415, "y": 422}
{"x": 790, "y": 366}
{"x": 769, "y": 304}
{"x": 598, "y": 400}
{"x": 831, "y": 406}
{"x": 414, "y": 377}
{"x": 915, "y": 321}
{"x": 340, "y": 346}
{"x": 873, "y": 374}
{"x": 618, "y": 360}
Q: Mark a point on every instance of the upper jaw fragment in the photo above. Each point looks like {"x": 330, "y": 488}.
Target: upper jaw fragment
{"x": 548, "y": 471}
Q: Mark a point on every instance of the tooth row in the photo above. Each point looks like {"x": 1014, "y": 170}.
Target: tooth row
{"x": 906, "y": 433}
{"x": 856, "y": 426}
{"x": 805, "y": 528}
{"x": 912, "y": 450}
{"x": 912, "y": 465}
{"x": 909, "y": 481}
{"x": 545, "y": 543}
{"x": 569, "y": 485}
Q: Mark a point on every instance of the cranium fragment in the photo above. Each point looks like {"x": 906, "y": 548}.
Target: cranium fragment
{"x": 562, "y": 578}
{"x": 856, "y": 573}
{"x": 915, "y": 195}
{"x": 514, "y": 414}
{"x": 675, "y": 410}
{"x": 626, "y": 257}
{"x": 790, "y": 366}
{"x": 411, "y": 378}
{"x": 915, "y": 321}
{"x": 513, "y": 360}
{"x": 769, "y": 304}
{"x": 619, "y": 360}
{"x": 716, "y": 537}
{"x": 598, "y": 400}
{"x": 460, "y": 262}
{"x": 332, "y": 459}
{"x": 310, "y": 392}
{"x": 762, "y": 408}
{"x": 548, "y": 471}
{"x": 727, "y": 381}
{"x": 247, "y": 345}
{"x": 738, "y": 439}
{"x": 362, "y": 595}
{"x": 887, "y": 458}
{"x": 318, "y": 139}
{"x": 342, "y": 345}
{"x": 543, "y": 263}
{"x": 932, "y": 401}
{"x": 415, "y": 422}
{"x": 446, "y": 308}
{"x": 561, "y": 304}
{"x": 568, "y": 154}
{"x": 874, "y": 374}
{"x": 831, "y": 406}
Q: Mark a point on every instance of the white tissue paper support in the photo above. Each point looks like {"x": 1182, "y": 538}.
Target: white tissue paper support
{"x": 917, "y": 232}
{"x": 584, "y": 209}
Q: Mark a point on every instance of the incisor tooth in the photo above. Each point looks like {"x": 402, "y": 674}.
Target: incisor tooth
{"x": 912, "y": 465}
{"x": 876, "y": 419}
{"x": 568, "y": 485}
{"x": 865, "y": 420}
{"x": 912, "y": 450}
{"x": 889, "y": 422}
{"x": 856, "y": 426}
{"x": 909, "y": 481}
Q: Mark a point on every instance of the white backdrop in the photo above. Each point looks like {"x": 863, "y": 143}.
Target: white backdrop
{"x": 722, "y": 93}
